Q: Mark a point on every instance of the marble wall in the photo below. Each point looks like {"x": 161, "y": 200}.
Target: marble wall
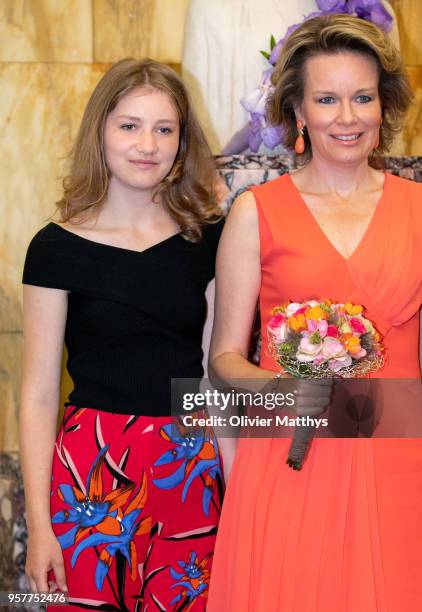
{"x": 52, "y": 54}
{"x": 409, "y": 19}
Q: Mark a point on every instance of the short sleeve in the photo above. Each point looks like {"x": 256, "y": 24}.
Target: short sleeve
{"x": 44, "y": 260}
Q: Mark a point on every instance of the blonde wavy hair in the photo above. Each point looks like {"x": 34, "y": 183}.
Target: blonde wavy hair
{"x": 188, "y": 192}
{"x": 332, "y": 34}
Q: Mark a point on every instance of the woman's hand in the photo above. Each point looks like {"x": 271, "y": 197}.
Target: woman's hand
{"x": 313, "y": 396}
{"x": 44, "y": 553}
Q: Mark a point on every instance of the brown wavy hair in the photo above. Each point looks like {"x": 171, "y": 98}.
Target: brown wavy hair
{"x": 332, "y": 34}
{"x": 188, "y": 192}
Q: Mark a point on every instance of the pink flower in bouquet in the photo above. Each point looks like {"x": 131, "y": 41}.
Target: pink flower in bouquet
{"x": 276, "y": 320}
{"x": 312, "y": 325}
{"x": 292, "y": 308}
{"x": 280, "y": 333}
{"x": 332, "y": 331}
{"x": 319, "y": 326}
{"x": 278, "y": 327}
{"x": 358, "y": 326}
{"x": 322, "y": 328}
{"x": 333, "y": 348}
{"x": 307, "y": 350}
{"x": 341, "y": 362}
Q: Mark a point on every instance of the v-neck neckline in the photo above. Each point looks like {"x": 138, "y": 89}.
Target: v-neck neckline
{"x": 88, "y": 241}
{"x": 368, "y": 230}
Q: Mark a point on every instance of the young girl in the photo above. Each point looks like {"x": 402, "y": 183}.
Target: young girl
{"x": 122, "y": 507}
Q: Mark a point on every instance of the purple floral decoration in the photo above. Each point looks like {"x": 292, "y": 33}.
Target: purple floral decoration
{"x": 260, "y": 130}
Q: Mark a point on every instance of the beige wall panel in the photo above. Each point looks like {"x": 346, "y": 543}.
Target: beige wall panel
{"x": 413, "y": 126}
{"x": 167, "y": 33}
{"x": 409, "y": 18}
{"x": 40, "y": 109}
{"x": 46, "y": 31}
{"x": 122, "y": 28}
{"x": 10, "y": 366}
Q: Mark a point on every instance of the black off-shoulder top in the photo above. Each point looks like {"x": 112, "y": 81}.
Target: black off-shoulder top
{"x": 135, "y": 319}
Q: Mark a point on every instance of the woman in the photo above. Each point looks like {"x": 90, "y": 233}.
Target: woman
{"x": 343, "y": 533}
{"x": 121, "y": 278}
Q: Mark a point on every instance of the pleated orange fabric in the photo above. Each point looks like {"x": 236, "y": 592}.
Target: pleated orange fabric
{"x": 345, "y": 533}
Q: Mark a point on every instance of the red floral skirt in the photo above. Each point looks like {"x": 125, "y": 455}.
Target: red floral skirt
{"x": 135, "y": 503}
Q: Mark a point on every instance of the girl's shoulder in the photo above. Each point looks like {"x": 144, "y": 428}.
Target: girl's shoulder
{"x": 52, "y": 258}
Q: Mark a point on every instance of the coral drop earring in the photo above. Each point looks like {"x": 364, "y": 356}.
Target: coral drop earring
{"x": 300, "y": 141}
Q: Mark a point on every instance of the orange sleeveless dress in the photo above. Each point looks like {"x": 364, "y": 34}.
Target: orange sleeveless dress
{"x": 345, "y": 533}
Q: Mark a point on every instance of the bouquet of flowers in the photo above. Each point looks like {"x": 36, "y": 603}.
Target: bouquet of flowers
{"x": 322, "y": 339}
